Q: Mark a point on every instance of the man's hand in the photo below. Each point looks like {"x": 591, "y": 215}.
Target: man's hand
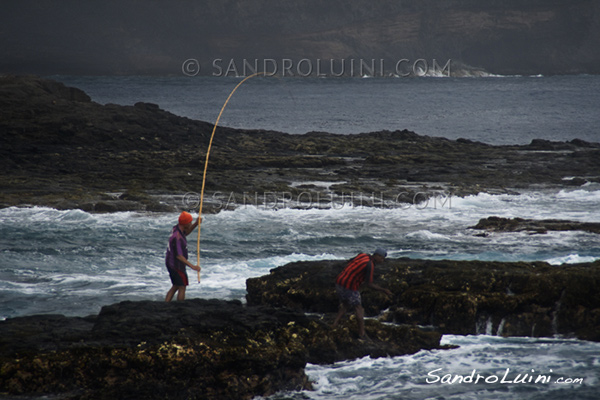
{"x": 379, "y": 288}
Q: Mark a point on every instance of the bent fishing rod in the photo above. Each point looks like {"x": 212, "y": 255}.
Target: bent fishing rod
{"x": 208, "y": 155}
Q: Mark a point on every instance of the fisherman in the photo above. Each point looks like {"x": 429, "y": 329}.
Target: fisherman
{"x": 347, "y": 283}
{"x": 177, "y": 254}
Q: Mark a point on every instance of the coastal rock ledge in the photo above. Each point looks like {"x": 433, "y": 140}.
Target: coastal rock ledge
{"x": 196, "y": 349}
{"x": 453, "y": 297}
{"x": 60, "y": 149}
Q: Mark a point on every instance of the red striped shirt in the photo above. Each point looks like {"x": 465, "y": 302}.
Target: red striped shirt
{"x": 355, "y": 272}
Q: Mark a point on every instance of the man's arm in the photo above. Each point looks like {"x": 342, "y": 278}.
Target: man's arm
{"x": 379, "y": 288}
{"x": 192, "y": 227}
{"x": 189, "y": 264}
{"x": 373, "y": 285}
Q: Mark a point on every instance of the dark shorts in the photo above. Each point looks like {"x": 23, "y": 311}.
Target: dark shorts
{"x": 348, "y": 297}
{"x": 178, "y": 277}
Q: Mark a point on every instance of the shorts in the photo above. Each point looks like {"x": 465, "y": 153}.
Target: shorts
{"x": 178, "y": 277}
{"x": 348, "y": 297}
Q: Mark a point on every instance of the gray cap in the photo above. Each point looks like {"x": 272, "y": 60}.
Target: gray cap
{"x": 381, "y": 252}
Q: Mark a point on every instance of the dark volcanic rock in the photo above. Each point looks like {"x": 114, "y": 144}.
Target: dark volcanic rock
{"x": 59, "y": 149}
{"x": 197, "y": 349}
{"x": 457, "y": 297}
{"x": 499, "y": 224}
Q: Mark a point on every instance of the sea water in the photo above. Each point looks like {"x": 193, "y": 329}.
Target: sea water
{"x": 483, "y": 367}
{"x": 73, "y": 262}
{"x": 496, "y": 110}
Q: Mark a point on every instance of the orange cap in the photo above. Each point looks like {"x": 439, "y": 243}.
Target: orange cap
{"x": 185, "y": 218}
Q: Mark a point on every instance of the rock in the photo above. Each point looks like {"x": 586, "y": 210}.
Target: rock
{"x": 455, "y": 297}
{"x": 59, "y": 149}
{"x": 499, "y": 224}
{"x": 196, "y": 349}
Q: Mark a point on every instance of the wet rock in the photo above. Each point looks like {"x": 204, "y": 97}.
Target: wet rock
{"x": 454, "y": 297}
{"x": 197, "y": 349}
{"x": 499, "y": 224}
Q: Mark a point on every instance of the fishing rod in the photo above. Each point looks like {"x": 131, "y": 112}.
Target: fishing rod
{"x": 208, "y": 155}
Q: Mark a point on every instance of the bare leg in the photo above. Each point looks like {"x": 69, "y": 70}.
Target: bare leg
{"x": 340, "y": 314}
{"x": 360, "y": 319}
{"x": 171, "y": 293}
{"x": 181, "y": 294}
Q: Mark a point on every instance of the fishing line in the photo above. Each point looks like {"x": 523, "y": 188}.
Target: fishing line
{"x": 208, "y": 155}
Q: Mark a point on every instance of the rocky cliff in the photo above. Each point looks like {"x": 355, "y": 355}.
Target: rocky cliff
{"x": 140, "y": 37}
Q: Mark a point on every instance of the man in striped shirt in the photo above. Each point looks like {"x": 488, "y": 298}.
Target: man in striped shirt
{"x": 347, "y": 283}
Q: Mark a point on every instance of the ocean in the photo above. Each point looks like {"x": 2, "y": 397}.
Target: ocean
{"x": 72, "y": 262}
{"x": 495, "y": 110}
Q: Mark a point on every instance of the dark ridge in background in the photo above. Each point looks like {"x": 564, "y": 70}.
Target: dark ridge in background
{"x": 155, "y": 37}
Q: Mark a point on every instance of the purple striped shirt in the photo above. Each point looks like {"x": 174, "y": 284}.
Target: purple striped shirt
{"x": 177, "y": 246}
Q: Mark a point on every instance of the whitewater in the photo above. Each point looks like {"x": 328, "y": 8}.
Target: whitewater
{"x": 71, "y": 262}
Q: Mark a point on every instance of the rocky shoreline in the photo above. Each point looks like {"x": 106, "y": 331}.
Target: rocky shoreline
{"x": 454, "y": 297}
{"x": 196, "y": 349}
{"x": 217, "y": 349}
{"x": 60, "y": 149}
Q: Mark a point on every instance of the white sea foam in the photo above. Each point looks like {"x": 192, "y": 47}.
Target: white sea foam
{"x": 418, "y": 376}
{"x": 427, "y": 235}
{"x": 122, "y": 254}
{"x": 233, "y": 274}
{"x": 571, "y": 259}
{"x": 579, "y": 195}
